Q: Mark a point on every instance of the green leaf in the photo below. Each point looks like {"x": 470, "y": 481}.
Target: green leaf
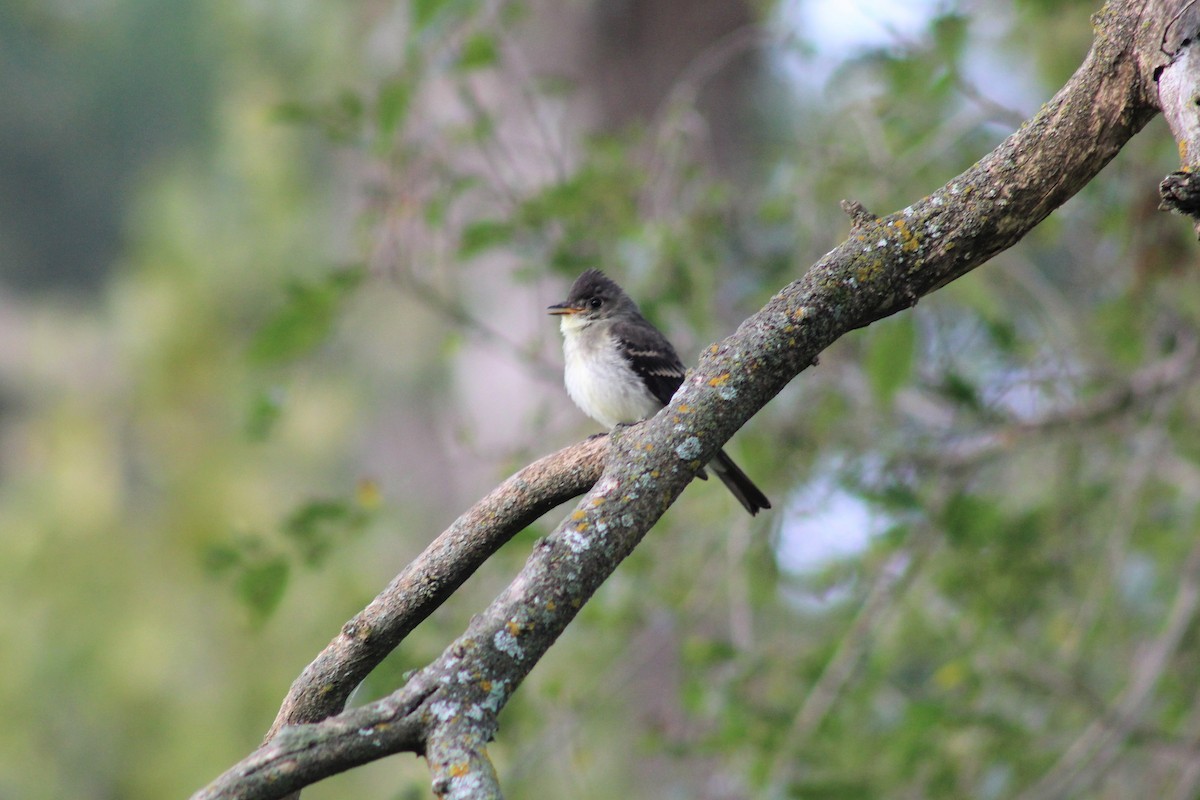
{"x": 306, "y": 318}
{"x": 423, "y": 12}
{"x": 484, "y": 234}
{"x": 260, "y": 586}
{"x": 1121, "y": 323}
{"x": 220, "y": 558}
{"x": 392, "y": 105}
{"x": 453, "y": 187}
{"x": 890, "y": 356}
{"x": 950, "y": 36}
{"x": 295, "y": 112}
{"x": 316, "y": 526}
{"x": 973, "y": 520}
{"x": 957, "y": 388}
{"x": 898, "y": 497}
{"x": 1003, "y": 334}
{"x": 339, "y": 119}
{"x": 265, "y": 410}
{"x": 478, "y": 52}
{"x": 349, "y": 106}
{"x": 426, "y": 12}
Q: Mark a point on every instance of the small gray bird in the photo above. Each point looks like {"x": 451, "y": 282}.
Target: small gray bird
{"x": 621, "y": 369}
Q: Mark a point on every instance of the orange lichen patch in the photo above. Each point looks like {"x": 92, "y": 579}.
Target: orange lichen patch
{"x": 513, "y": 627}
{"x": 1183, "y": 154}
{"x": 459, "y": 769}
{"x": 684, "y": 408}
{"x": 551, "y": 605}
{"x": 908, "y": 240}
{"x": 578, "y": 514}
{"x": 486, "y": 685}
{"x": 720, "y": 380}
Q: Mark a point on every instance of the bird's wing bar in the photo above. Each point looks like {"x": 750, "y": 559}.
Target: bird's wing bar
{"x": 651, "y": 356}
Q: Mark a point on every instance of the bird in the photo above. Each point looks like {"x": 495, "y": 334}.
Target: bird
{"x": 620, "y": 369}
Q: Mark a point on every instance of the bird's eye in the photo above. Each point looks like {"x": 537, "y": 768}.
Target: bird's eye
{"x": 595, "y": 302}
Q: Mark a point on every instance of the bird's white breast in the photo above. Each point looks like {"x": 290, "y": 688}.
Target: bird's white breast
{"x": 599, "y": 379}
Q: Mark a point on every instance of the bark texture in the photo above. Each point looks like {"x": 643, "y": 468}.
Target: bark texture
{"x": 1179, "y": 97}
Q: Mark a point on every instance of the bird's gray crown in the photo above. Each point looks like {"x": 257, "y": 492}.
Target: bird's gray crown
{"x": 594, "y": 292}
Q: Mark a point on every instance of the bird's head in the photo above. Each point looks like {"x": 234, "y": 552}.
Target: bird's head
{"x": 593, "y": 297}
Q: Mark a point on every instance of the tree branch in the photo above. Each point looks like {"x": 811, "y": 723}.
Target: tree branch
{"x": 325, "y": 685}
{"x": 1147, "y": 384}
{"x": 448, "y": 709}
{"x": 1179, "y": 96}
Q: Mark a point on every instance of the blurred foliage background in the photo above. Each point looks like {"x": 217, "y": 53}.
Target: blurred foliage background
{"x": 272, "y": 290}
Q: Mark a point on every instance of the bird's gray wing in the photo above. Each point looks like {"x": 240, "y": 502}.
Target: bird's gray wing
{"x": 651, "y": 356}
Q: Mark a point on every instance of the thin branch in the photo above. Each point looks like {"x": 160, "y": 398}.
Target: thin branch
{"x": 325, "y": 685}
{"x": 667, "y": 122}
{"x": 1144, "y": 386}
{"x": 994, "y": 111}
{"x": 1145, "y": 452}
{"x": 1090, "y": 756}
{"x": 892, "y": 579}
{"x": 303, "y": 754}
{"x": 1188, "y": 784}
{"x": 456, "y": 311}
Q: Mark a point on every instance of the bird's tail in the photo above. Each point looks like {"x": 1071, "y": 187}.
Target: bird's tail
{"x": 742, "y": 487}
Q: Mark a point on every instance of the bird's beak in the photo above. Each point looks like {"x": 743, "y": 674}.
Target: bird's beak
{"x": 559, "y": 309}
